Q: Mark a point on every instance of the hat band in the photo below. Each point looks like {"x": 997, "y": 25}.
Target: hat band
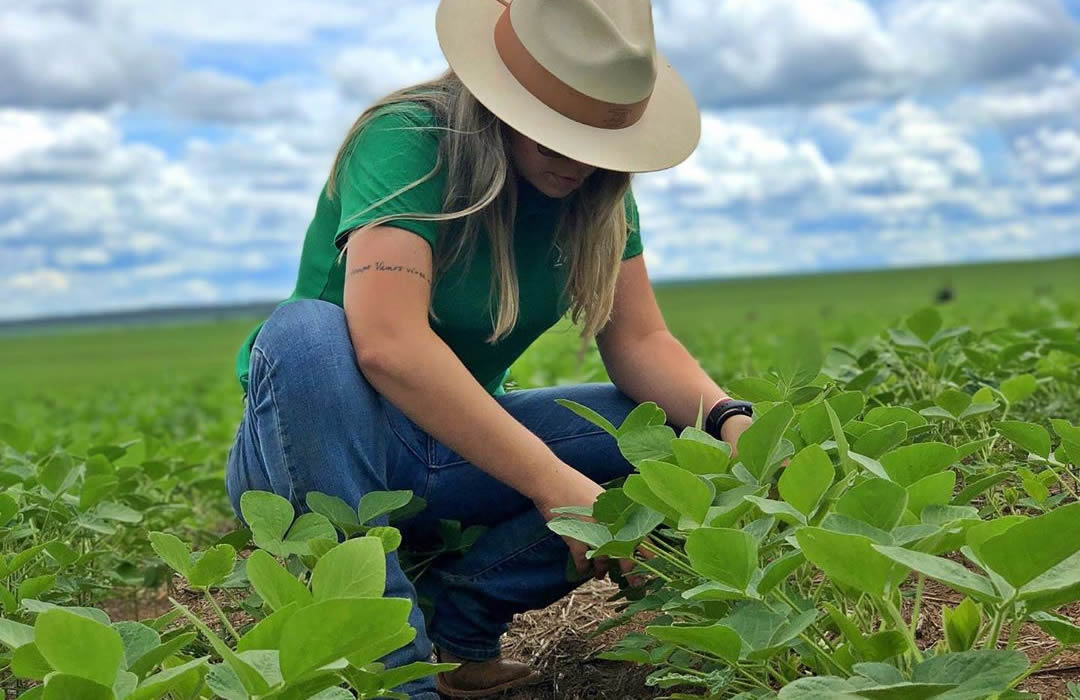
{"x": 553, "y": 92}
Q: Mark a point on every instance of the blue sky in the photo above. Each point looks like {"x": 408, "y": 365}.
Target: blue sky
{"x": 171, "y": 152}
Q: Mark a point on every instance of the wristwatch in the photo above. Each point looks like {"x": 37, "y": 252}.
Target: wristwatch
{"x": 724, "y": 409}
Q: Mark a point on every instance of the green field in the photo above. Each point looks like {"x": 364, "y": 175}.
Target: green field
{"x": 901, "y": 519}
{"x": 751, "y": 313}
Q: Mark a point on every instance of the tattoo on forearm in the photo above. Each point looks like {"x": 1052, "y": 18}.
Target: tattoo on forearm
{"x": 380, "y": 266}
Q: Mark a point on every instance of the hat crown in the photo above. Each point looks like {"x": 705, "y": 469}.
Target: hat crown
{"x": 619, "y": 61}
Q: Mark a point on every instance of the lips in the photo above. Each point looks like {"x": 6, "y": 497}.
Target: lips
{"x": 567, "y": 180}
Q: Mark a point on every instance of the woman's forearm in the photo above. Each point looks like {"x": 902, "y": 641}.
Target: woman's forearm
{"x": 422, "y": 376}
{"x": 658, "y": 368}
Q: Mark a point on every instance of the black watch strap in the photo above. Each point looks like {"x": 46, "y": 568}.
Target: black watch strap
{"x": 723, "y": 410}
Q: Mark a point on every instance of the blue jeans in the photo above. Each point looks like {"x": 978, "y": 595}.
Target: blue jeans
{"x": 312, "y": 422}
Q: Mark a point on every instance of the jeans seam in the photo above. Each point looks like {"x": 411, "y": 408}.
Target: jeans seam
{"x": 399, "y": 436}
{"x": 471, "y": 578}
{"x": 552, "y": 441}
{"x": 281, "y": 433}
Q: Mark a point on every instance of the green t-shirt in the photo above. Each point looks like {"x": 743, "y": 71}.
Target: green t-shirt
{"x": 387, "y": 158}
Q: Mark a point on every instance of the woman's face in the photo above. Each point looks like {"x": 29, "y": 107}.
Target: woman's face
{"x": 552, "y": 174}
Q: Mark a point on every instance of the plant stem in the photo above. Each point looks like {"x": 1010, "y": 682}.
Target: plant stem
{"x": 224, "y": 620}
{"x": 995, "y": 628}
{"x": 917, "y": 605}
{"x": 901, "y": 625}
{"x": 1039, "y": 663}
{"x": 677, "y": 563}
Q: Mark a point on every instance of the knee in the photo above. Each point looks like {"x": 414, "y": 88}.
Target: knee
{"x": 308, "y": 341}
{"x": 304, "y": 327}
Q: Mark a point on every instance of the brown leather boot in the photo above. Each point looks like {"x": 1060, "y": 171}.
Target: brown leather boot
{"x": 480, "y": 679}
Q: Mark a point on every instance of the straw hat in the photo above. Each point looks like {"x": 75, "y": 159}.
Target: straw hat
{"x": 582, "y": 77}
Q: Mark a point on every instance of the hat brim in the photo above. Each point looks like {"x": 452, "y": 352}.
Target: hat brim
{"x": 665, "y": 136}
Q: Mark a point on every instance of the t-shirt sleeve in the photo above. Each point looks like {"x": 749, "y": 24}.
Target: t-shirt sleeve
{"x": 391, "y": 151}
{"x": 633, "y": 240}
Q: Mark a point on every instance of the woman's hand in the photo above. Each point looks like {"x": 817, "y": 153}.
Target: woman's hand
{"x": 576, "y": 489}
{"x": 734, "y": 427}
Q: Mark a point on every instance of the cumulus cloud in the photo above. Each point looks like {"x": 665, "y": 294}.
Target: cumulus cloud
{"x": 181, "y": 162}
{"x": 775, "y": 51}
{"x": 76, "y": 54}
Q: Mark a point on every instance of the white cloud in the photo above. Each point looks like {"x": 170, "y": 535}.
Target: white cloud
{"x": 75, "y": 55}
{"x": 735, "y": 52}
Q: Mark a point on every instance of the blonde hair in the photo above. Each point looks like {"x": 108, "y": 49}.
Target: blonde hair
{"x": 591, "y": 232}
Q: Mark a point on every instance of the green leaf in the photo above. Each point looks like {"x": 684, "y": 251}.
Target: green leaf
{"x": 978, "y": 409}
{"x": 148, "y": 661}
{"x": 379, "y": 503}
{"x": 353, "y": 569}
{"x": 643, "y": 416}
{"x": 925, "y": 323}
{"x": 268, "y": 515}
{"x": 389, "y": 536}
{"x": 15, "y": 634}
{"x": 58, "y": 472}
{"x": 961, "y": 625}
{"x": 724, "y": 555}
{"x": 589, "y": 415}
{"x": 756, "y": 444}
{"x": 337, "y": 511}
{"x": 118, "y": 512}
{"x": 393, "y": 677}
{"x": 9, "y": 508}
{"x": 160, "y": 683}
{"x": 1065, "y": 430}
{"x": 33, "y": 587}
{"x": 814, "y": 422}
{"x": 308, "y": 527}
{"x": 978, "y": 673}
{"x": 1058, "y": 627}
{"x": 64, "y": 686}
{"x": 80, "y": 646}
{"x": 336, "y": 628}
{"x": 213, "y": 567}
{"x": 27, "y": 662}
{"x": 944, "y": 571}
{"x": 778, "y": 509}
{"x": 266, "y": 633}
{"x": 651, "y": 442}
{"x": 593, "y": 534}
{"x": 973, "y": 489}
{"x": 714, "y": 639}
{"x": 806, "y": 479}
{"x": 907, "y": 465}
{"x": 172, "y": 551}
{"x": 224, "y": 682}
{"x": 138, "y": 640}
{"x": 699, "y": 456}
{"x": 778, "y": 570}
{"x": 935, "y": 489}
{"x": 954, "y": 402}
{"x": 878, "y": 441}
{"x": 877, "y": 502}
{"x": 799, "y": 358}
{"x": 638, "y": 491}
{"x": 887, "y": 415}
{"x": 850, "y": 560}
{"x": 1031, "y": 437}
{"x": 276, "y": 586}
{"x": 684, "y": 491}
{"x": 755, "y": 389}
{"x": 1030, "y": 548}
{"x": 1019, "y": 388}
